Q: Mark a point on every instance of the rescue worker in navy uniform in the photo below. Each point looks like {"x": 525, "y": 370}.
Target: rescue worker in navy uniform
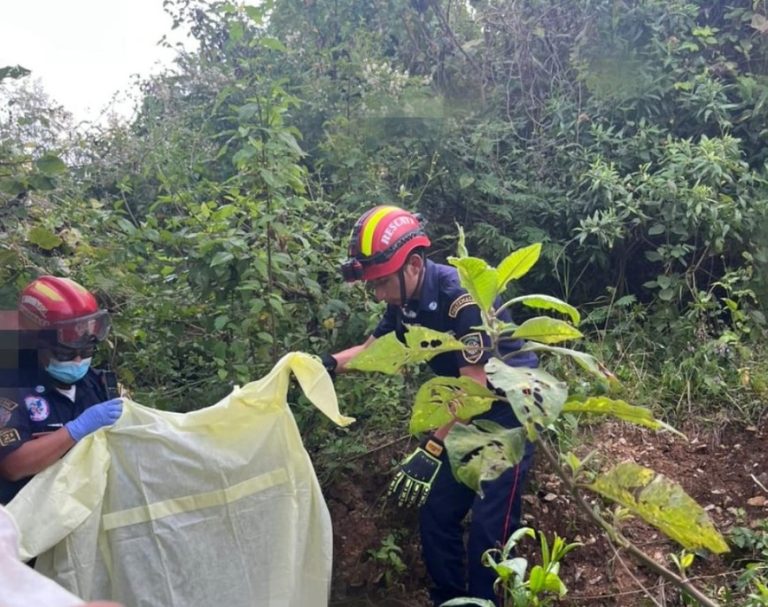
{"x": 60, "y": 399}
{"x": 387, "y": 250}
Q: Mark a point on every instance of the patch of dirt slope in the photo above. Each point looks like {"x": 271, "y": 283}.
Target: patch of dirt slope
{"x": 723, "y": 470}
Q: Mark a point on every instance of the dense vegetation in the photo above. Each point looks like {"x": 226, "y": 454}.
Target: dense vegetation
{"x": 629, "y": 137}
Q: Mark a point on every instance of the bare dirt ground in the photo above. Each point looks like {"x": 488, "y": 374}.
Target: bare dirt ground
{"x": 722, "y": 468}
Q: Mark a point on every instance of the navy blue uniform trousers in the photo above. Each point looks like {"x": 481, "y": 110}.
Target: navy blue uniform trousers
{"x": 457, "y": 572}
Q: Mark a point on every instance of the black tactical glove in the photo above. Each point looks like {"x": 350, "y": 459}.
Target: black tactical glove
{"x": 330, "y": 364}
{"x": 413, "y": 481}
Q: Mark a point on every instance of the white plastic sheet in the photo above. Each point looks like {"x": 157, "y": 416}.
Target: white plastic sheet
{"x": 219, "y": 507}
{"x": 21, "y": 586}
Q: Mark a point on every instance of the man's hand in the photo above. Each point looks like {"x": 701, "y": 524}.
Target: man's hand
{"x": 413, "y": 481}
{"x": 95, "y": 417}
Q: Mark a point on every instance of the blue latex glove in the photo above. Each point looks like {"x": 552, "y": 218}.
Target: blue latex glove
{"x": 95, "y": 417}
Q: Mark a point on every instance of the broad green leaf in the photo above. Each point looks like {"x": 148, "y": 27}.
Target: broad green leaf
{"x": 573, "y": 461}
{"x": 553, "y": 584}
{"x": 50, "y": 164}
{"x": 478, "y": 278}
{"x": 291, "y": 142}
{"x": 247, "y": 112}
{"x": 243, "y": 156}
{"x": 546, "y": 330}
{"x": 44, "y": 238}
{"x": 255, "y": 13}
{"x": 427, "y": 343}
{"x": 546, "y": 302}
{"x": 465, "y": 181}
{"x": 602, "y": 405}
{"x": 536, "y": 396}
{"x": 662, "y": 503}
{"x": 512, "y": 567}
{"x": 388, "y": 355}
{"x": 273, "y": 44}
{"x": 666, "y": 294}
{"x": 12, "y": 187}
{"x": 483, "y": 450}
{"x": 41, "y": 182}
{"x": 687, "y": 560}
{"x": 536, "y": 579}
{"x": 441, "y": 399}
{"x": 221, "y": 257}
{"x": 236, "y": 31}
{"x": 584, "y": 360}
{"x": 517, "y": 264}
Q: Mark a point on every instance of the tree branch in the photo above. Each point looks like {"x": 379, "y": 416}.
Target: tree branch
{"x": 615, "y": 536}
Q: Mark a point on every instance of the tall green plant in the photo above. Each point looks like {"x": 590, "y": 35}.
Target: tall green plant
{"x": 481, "y": 450}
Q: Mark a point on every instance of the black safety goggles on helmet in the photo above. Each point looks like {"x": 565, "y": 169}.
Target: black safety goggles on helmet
{"x": 352, "y": 270}
{"x": 64, "y": 354}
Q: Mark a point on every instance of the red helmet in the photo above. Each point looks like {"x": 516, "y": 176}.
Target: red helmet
{"x": 60, "y": 305}
{"x": 381, "y": 241}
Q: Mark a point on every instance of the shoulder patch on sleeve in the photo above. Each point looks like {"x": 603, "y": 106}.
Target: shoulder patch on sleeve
{"x": 473, "y": 347}
{"x": 9, "y": 436}
{"x": 6, "y": 410}
{"x": 460, "y": 303}
{"x": 7, "y": 404}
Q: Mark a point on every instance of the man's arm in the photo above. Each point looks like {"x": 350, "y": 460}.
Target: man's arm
{"x": 36, "y": 455}
{"x": 476, "y": 372}
{"x": 343, "y": 357}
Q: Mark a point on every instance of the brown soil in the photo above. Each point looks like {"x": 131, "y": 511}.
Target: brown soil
{"x": 722, "y": 469}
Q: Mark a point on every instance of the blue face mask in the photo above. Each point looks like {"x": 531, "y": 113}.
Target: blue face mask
{"x": 68, "y": 372}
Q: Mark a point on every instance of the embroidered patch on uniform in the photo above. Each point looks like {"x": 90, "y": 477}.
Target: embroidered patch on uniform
{"x": 7, "y": 404}
{"x": 38, "y": 408}
{"x": 6, "y": 408}
{"x": 9, "y": 436}
{"x": 473, "y": 347}
{"x": 459, "y": 304}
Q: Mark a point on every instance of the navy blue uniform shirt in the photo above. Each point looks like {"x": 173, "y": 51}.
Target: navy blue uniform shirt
{"x": 37, "y": 410}
{"x": 443, "y": 305}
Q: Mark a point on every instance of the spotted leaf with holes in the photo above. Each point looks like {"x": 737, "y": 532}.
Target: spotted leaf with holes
{"x": 441, "y": 399}
{"x": 536, "y": 396}
{"x": 662, "y": 503}
{"x": 483, "y": 450}
{"x": 388, "y": 354}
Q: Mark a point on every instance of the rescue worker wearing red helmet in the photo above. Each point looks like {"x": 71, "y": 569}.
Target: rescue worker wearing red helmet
{"x": 387, "y": 250}
{"x": 63, "y": 399}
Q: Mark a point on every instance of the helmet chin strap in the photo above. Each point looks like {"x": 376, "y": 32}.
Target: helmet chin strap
{"x": 406, "y": 303}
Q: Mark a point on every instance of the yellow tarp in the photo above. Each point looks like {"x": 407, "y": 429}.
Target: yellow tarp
{"x": 219, "y": 507}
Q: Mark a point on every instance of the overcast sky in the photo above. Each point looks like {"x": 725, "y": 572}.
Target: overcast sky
{"x": 84, "y": 50}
